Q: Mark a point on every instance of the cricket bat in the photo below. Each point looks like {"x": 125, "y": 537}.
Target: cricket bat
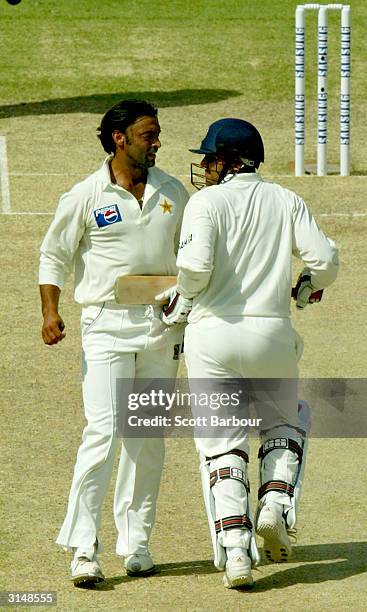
{"x": 141, "y": 289}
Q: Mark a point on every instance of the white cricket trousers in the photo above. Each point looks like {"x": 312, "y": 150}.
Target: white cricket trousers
{"x": 118, "y": 342}
{"x": 250, "y": 348}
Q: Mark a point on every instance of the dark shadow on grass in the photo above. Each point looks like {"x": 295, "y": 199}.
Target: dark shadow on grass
{"x": 182, "y": 568}
{"x": 186, "y": 568}
{"x": 106, "y": 585}
{"x": 100, "y": 103}
{"x": 324, "y": 552}
{"x": 346, "y": 559}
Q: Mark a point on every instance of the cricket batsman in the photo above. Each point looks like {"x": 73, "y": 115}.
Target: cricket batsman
{"x": 238, "y": 237}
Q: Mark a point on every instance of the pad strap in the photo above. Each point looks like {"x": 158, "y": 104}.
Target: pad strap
{"x": 276, "y": 485}
{"x": 235, "y": 451}
{"x": 233, "y": 522}
{"x": 280, "y": 444}
{"x": 228, "y": 472}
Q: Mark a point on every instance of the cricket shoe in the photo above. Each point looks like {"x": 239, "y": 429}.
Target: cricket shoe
{"x": 85, "y": 571}
{"x": 272, "y": 527}
{"x": 238, "y": 569}
{"x": 140, "y": 565}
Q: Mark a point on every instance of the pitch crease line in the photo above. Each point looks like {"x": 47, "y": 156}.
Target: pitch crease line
{"x": 4, "y": 176}
{"x": 47, "y": 173}
{"x": 29, "y": 214}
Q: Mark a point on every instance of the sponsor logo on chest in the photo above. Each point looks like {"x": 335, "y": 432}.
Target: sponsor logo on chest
{"x": 107, "y": 215}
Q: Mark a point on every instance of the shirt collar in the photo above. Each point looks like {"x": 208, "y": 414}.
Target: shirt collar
{"x": 155, "y": 179}
{"x": 104, "y": 172}
{"x": 248, "y": 177}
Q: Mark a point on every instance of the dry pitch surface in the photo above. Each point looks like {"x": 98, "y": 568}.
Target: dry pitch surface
{"x": 42, "y": 411}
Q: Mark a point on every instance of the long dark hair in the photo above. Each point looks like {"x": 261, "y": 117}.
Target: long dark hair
{"x": 119, "y": 117}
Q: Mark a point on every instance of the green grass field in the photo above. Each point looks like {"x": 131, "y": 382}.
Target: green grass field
{"x": 63, "y": 63}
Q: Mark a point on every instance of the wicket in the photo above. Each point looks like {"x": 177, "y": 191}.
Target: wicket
{"x": 322, "y": 93}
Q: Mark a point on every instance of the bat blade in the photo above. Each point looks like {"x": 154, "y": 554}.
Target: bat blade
{"x": 141, "y": 289}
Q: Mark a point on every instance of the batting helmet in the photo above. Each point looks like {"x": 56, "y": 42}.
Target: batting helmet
{"x": 234, "y": 137}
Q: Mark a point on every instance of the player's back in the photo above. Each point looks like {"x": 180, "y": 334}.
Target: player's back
{"x": 253, "y": 249}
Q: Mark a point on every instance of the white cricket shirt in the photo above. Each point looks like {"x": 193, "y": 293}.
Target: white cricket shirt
{"x": 100, "y": 230}
{"x": 236, "y": 246}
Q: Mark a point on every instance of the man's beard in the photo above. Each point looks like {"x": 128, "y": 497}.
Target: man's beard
{"x": 143, "y": 165}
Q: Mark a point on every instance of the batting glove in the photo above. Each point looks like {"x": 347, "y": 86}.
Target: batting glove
{"x": 167, "y": 295}
{"x": 304, "y": 293}
{"x": 178, "y": 308}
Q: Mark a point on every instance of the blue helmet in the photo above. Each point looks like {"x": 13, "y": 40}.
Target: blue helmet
{"x": 233, "y": 137}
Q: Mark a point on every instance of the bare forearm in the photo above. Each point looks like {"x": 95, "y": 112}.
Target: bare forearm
{"x": 50, "y": 295}
{"x": 53, "y": 325}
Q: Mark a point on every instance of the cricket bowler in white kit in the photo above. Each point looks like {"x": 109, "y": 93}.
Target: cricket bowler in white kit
{"x": 122, "y": 220}
{"x": 235, "y": 265}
